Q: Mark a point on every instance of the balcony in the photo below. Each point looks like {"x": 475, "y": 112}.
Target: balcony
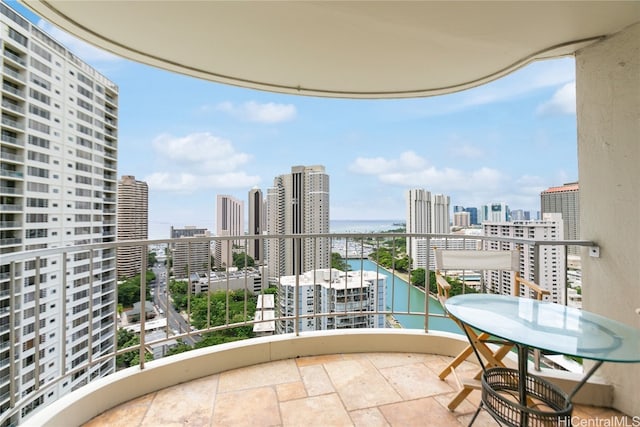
{"x": 305, "y": 370}
{"x": 361, "y": 389}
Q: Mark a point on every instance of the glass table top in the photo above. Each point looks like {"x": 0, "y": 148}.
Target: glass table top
{"x": 548, "y": 326}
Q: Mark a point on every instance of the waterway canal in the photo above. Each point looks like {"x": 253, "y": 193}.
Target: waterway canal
{"x": 400, "y": 296}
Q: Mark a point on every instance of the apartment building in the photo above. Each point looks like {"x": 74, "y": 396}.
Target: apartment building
{"x": 427, "y": 213}
{"x": 58, "y": 182}
{"x": 549, "y": 259}
{"x": 565, "y": 200}
{"x": 257, "y": 225}
{"x": 229, "y": 222}
{"x": 191, "y": 256}
{"x": 298, "y": 203}
{"x": 133, "y": 223}
{"x": 332, "y": 291}
{"x": 494, "y": 212}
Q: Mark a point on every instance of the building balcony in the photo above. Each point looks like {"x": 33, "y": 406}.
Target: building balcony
{"x": 320, "y": 379}
{"x": 354, "y": 376}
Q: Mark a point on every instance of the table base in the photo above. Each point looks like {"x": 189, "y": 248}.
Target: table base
{"x": 547, "y": 405}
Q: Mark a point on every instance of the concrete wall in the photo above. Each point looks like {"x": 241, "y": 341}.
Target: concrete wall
{"x": 608, "y": 110}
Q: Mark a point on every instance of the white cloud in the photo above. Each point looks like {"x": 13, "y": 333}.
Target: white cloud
{"x": 538, "y": 75}
{"x": 380, "y": 165}
{"x": 563, "y": 101}
{"x": 87, "y": 52}
{"x": 411, "y": 170}
{"x": 252, "y": 111}
{"x": 198, "y": 161}
{"x": 201, "y": 151}
{"x": 188, "y": 182}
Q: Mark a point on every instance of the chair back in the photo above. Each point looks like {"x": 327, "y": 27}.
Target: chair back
{"x": 477, "y": 260}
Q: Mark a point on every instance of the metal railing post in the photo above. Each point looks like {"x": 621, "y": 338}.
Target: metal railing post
{"x": 143, "y": 300}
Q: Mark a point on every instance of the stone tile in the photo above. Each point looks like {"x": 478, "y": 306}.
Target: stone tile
{"x": 360, "y": 385}
{"x": 371, "y": 417}
{"x": 415, "y": 381}
{"x": 387, "y": 360}
{"x": 484, "y": 419}
{"x": 127, "y": 414}
{"x": 317, "y": 360}
{"x": 188, "y": 403}
{"x": 264, "y": 374}
{"x": 291, "y": 391}
{"x": 316, "y": 381}
{"x": 418, "y": 412}
{"x": 320, "y": 411}
{"x": 464, "y": 407}
{"x": 255, "y": 407}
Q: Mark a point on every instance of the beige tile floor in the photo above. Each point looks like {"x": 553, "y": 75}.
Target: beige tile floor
{"x": 368, "y": 389}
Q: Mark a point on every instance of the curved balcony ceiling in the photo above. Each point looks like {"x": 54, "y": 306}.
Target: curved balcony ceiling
{"x": 355, "y": 49}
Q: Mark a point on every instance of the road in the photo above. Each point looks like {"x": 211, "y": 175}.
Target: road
{"x": 161, "y": 298}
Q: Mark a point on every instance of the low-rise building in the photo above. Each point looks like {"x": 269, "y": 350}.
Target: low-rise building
{"x": 353, "y": 296}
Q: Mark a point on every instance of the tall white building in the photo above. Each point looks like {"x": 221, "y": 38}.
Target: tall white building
{"x": 133, "y": 223}
{"x": 494, "y": 212}
{"x": 229, "y": 222}
{"x": 550, "y": 261}
{"x": 257, "y": 225}
{"x": 332, "y": 291}
{"x": 58, "y": 182}
{"x": 427, "y": 213}
{"x": 298, "y": 203}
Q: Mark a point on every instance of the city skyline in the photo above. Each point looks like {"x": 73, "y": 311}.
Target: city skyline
{"x": 190, "y": 140}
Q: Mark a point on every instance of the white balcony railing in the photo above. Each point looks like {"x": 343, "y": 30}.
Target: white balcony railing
{"x": 72, "y": 284}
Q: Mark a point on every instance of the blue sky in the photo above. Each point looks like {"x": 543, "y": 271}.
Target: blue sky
{"x": 192, "y": 139}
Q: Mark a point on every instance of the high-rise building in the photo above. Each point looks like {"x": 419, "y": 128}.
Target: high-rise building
{"x": 133, "y": 223}
{"x": 473, "y": 215}
{"x": 546, "y": 268}
{"x": 256, "y": 225}
{"x": 332, "y": 291}
{"x": 191, "y": 256}
{"x": 517, "y": 215}
{"x": 298, "y": 203}
{"x": 461, "y": 219}
{"x": 58, "y": 182}
{"x": 495, "y": 212}
{"x": 229, "y": 222}
{"x": 426, "y": 214}
{"x": 566, "y": 201}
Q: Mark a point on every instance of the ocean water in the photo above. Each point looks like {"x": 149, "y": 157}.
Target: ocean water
{"x": 364, "y": 226}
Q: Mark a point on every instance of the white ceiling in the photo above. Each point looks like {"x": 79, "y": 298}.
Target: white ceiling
{"x": 355, "y": 49}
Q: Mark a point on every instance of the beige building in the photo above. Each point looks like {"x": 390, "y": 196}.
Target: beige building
{"x": 133, "y": 223}
{"x": 564, "y": 199}
{"x": 192, "y": 256}
{"x": 229, "y": 222}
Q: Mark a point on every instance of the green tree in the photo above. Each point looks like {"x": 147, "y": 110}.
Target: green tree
{"x": 338, "y": 262}
{"x": 178, "y": 291}
{"x": 418, "y": 277}
{"x": 151, "y": 258}
{"x": 129, "y": 290}
{"x": 130, "y": 358}
{"x": 242, "y": 260}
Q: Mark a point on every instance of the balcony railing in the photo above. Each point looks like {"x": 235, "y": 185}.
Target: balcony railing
{"x": 175, "y": 311}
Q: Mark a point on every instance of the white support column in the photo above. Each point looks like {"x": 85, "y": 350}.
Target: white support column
{"x": 608, "y": 111}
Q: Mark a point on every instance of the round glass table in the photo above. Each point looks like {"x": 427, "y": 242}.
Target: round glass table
{"x": 547, "y": 326}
